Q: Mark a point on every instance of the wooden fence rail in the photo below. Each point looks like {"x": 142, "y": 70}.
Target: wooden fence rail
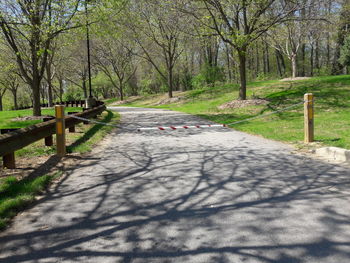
{"x": 16, "y": 140}
{"x": 73, "y": 103}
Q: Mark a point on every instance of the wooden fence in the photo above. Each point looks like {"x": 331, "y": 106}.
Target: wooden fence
{"x": 18, "y": 139}
{"x": 72, "y": 103}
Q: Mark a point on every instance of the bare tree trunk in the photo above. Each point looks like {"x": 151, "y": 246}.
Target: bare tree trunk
{"x": 312, "y": 60}
{"x": 170, "y": 81}
{"x": 84, "y": 87}
{"x": 303, "y": 48}
{"x": 329, "y": 9}
{"x": 36, "y": 95}
{"x": 50, "y": 96}
{"x": 15, "y": 100}
{"x": 257, "y": 59}
{"x": 267, "y": 58}
{"x": 264, "y": 61}
{"x": 36, "y": 79}
{"x": 317, "y": 55}
{"x": 121, "y": 91}
{"x": 283, "y": 64}
{"x": 328, "y": 51}
{"x": 229, "y": 69}
{"x": 243, "y": 74}
{"x": 250, "y": 61}
{"x": 294, "y": 65}
{"x": 278, "y": 64}
{"x": 1, "y": 107}
{"x": 49, "y": 83}
{"x": 61, "y": 90}
{"x": 42, "y": 93}
{"x": 192, "y": 63}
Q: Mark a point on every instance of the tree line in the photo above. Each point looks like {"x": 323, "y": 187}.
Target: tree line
{"x": 151, "y": 46}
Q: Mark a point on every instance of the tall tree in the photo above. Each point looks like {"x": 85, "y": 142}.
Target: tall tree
{"x": 116, "y": 62}
{"x": 239, "y": 23}
{"x": 10, "y": 78}
{"x": 288, "y": 39}
{"x": 343, "y": 30}
{"x": 158, "y": 30}
{"x": 29, "y": 26}
{"x": 2, "y": 93}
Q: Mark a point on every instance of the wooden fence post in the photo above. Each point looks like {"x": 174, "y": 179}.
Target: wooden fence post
{"x": 309, "y": 117}
{"x": 72, "y": 129}
{"x": 49, "y": 139}
{"x": 85, "y": 122}
{"x": 60, "y": 131}
{"x": 8, "y": 160}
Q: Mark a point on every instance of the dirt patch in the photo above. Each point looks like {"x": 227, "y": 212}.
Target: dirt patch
{"x": 293, "y": 79}
{"x": 242, "y": 103}
{"x": 39, "y": 166}
{"x": 31, "y": 118}
{"x": 43, "y": 165}
{"x": 169, "y": 100}
{"x": 129, "y": 100}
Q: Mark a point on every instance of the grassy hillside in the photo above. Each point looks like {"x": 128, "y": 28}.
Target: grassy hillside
{"x": 332, "y": 108}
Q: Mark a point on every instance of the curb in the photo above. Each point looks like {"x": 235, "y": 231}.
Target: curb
{"x": 334, "y": 153}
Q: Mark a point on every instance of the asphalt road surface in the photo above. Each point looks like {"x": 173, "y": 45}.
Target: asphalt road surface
{"x": 199, "y": 195}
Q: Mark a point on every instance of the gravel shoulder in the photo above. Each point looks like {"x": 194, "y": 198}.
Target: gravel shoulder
{"x": 211, "y": 195}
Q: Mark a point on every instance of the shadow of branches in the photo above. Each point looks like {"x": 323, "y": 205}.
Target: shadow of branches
{"x": 189, "y": 196}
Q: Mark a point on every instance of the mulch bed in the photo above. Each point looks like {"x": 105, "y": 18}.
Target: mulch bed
{"x": 297, "y": 78}
{"x": 242, "y": 103}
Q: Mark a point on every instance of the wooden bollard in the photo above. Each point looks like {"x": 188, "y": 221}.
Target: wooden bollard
{"x": 8, "y": 160}
{"x": 309, "y": 117}
{"x": 72, "y": 129}
{"x": 60, "y": 131}
{"x": 48, "y": 139}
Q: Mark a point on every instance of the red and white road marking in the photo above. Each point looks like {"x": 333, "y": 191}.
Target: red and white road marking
{"x": 182, "y": 127}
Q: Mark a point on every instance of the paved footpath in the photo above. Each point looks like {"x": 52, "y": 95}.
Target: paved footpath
{"x": 211, "y": 195}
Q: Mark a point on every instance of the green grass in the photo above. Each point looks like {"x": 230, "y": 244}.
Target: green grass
{"x": 17, "y": 194}
{"x": 332, "y": 107}
{"x": 95, "y": 133}
{"x": 82, "y": 141}
{"x": 6, "y": 117}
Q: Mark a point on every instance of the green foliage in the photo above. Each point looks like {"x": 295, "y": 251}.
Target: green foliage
{"x": 152, "y": 86}
{"x": 16, "y": 194}
{"x": 198, "y": 81}
{"x": 345, "y": 52}
{"x": 186, "y": 81}
{"x": 264, "y": 76}
{"x": 209, "y": 75}
{"x": 73, "y": 93}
